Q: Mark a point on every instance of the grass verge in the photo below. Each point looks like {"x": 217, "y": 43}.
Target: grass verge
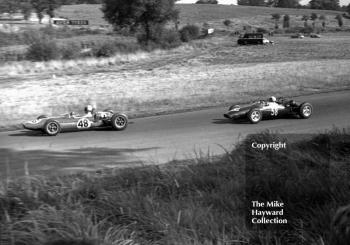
{"x": 200, "y": 203}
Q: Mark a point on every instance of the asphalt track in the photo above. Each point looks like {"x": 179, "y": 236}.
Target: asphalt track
{"x": 157, "y": 139}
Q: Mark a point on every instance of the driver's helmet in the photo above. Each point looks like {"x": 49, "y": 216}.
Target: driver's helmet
{"x": 88, "y": 109}
{"x": 272, "y": 99}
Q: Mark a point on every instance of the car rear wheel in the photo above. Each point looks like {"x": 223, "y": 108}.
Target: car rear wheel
{"x": 119, "y": 122}
{"x": 52, "y": 128}
{"x": 305, "y": 110}
{"x": 254, "y": 116}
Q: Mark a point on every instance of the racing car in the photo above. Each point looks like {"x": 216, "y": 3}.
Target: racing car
{"x": 52, "y": 125}
{"x": 270, "y": 109}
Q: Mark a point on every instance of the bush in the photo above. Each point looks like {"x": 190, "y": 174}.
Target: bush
{"x": 7, "y": 39}
{"x": 160, "y": 38}
{"x": 12, "y": 56}
{"x": 66, "y": 32}
{"x": 108, "y": 49}
{"x": 43, "y": 49}
{"x": 169, "y": 39}
{"x": 105, "y": 50}
{"x": 70, "y": 51}
{"x": 308, "y": 30}
{"x": 123, "y": 47}
{"x": 189, "y": 32}
{"x": 227, "y": 22}
{"x": 262, "y": 30}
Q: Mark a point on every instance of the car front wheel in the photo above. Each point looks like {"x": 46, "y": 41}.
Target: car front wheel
{"x": 119, "y": 122}
{"x": 52, "y": 128}
{"x": 305, "y": 110}
{"x": 254, "y": 116}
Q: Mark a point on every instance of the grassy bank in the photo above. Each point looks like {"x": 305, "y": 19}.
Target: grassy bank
{"x": 169, "y": 88}
{"x": 206, "y": 202}
{"x": 204, "y": 73}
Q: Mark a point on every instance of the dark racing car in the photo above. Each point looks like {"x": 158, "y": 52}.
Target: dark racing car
{"x": 52, "y": 125}
{"x": 273, "y": 108}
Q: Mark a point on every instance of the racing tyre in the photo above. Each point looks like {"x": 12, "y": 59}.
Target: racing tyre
{"x": 254, "y": 116}
{"x": 305, "y": 110}
{"x": 52, "y": 127}
{"x": 119, "y": 122}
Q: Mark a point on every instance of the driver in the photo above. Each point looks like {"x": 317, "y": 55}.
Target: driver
{"x": 88, "y": 111}
{"x": 272, "y": 99}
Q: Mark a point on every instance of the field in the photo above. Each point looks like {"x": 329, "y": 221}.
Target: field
{"x": 205, "y": 201}
{"x": 199, "y": 13}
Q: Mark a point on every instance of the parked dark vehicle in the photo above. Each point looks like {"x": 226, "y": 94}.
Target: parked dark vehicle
{"x": 315, "y": 35}
{"x": 253, "y": 38}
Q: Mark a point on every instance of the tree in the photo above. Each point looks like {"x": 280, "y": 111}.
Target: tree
{"x": 324, "y": 4}
{"x": 10, "y": 6}
{"x": 323, "y": 19}
{"x": 313, "y": 17}
{"x": 39, "y": 7}
{"x": 251, "y": 2}
{"x": 26, "y": 9}
{"x": 339, "y": 18}
{"x": 45, "y": 6}
{"x": 13, "y": 6}
{"x": 276, "y": 17}
{"x": 148, "y": 15}
{"x": 207, "y": 2}
{"x": 348, "y": 8}
{"x": 272, "y": 3}
{"x": 227, "y": 22}
{"x": 305, "y": 18}
{"x": 51, "y": 7}
{"x": 287, "y": 3}
{"x": 283, "y": 3}
{"x": 286, "y": 20}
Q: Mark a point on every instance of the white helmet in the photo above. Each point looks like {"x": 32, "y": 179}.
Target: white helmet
{"x": 272, "y": 99}
{"x": 88, "y": 108}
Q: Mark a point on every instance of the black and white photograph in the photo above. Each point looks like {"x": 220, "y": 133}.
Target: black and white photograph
{"x": 175, "y": 122}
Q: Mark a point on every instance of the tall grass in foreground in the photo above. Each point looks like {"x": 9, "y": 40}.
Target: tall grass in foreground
{"x": 200, "y": 203}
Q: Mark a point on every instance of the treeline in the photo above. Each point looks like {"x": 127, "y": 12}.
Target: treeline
{"x": 70, "y": 2}
{"x": 313, "y": 4}
{"x": 39, "y": 6}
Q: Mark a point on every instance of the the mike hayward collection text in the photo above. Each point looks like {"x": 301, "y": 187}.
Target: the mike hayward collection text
{"x": 268, "y": 212}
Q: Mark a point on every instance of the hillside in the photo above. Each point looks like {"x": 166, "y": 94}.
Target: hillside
{"x": 198, "y": 13}
{"x": 193, "y": 13}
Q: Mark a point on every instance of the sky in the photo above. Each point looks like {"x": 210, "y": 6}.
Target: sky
{"x": 342, "y": 2}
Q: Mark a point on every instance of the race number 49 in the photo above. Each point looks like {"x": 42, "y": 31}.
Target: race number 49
{"x": 83, "y": 123}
